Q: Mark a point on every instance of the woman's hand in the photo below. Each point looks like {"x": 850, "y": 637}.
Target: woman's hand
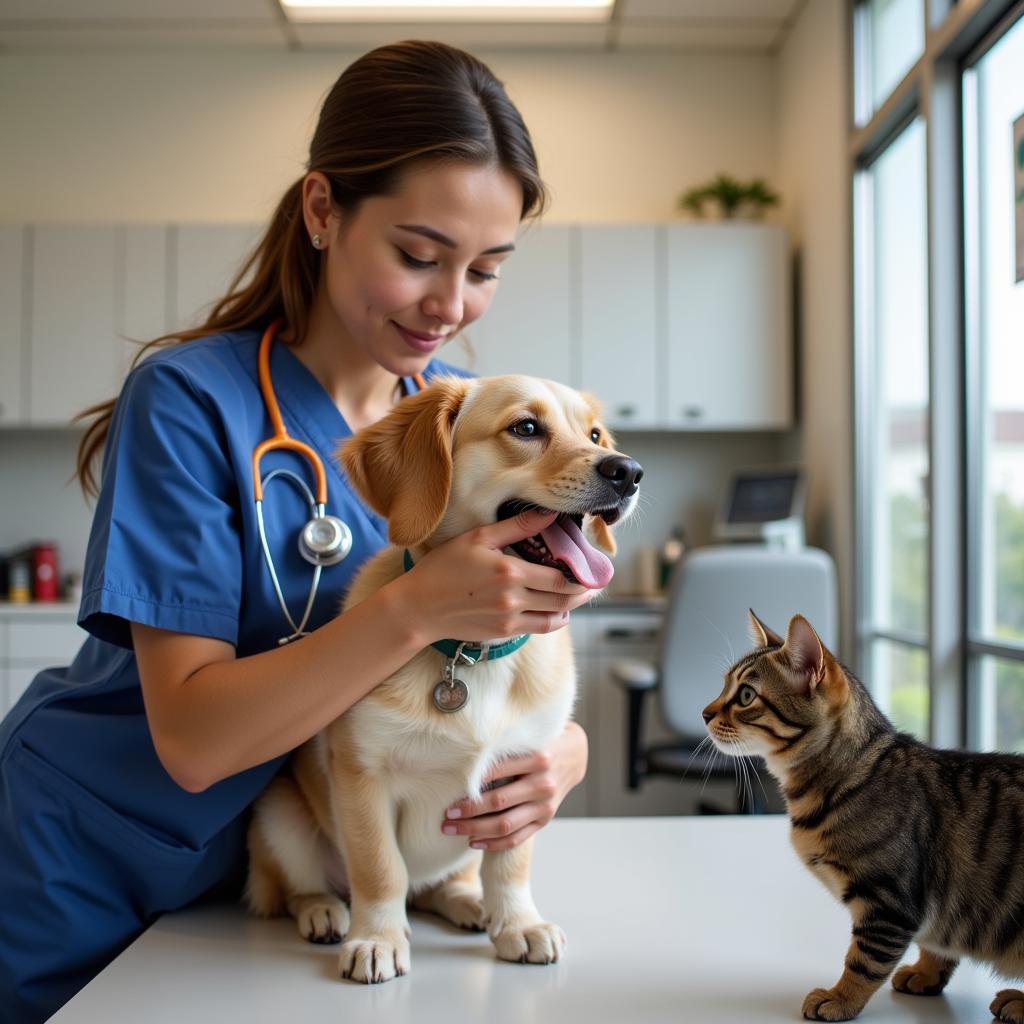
{"x": 468, "y": 588}
{"x": 531, "y": 790}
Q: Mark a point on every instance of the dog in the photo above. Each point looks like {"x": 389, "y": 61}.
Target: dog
{"x": 358, "y": 815}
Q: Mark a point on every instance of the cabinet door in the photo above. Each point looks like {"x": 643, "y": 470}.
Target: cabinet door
{"x": 143, "y": 310}
{"x": 75, "y": 351}
{"x": 527, "y": 328}
{"x": 207, "y": 257}
{"x": 12, "y": 287}
{"x": 728, "y": 327}
{"x": 618, "y": 322}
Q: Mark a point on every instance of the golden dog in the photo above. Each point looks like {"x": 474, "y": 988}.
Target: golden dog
{"x": 359, "y": 814}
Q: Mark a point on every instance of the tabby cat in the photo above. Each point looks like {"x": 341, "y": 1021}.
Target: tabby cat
{"x": 921, "y": 845}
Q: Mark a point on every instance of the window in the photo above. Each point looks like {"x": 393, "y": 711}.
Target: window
{"x": 993, "y": 100}
{"x": 939, "y": 365}
{"x": 889, "y": 40}
{"x": 892, "y": 333}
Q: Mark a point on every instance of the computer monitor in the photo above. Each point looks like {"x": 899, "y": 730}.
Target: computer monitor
{"x": 764, "y": 505}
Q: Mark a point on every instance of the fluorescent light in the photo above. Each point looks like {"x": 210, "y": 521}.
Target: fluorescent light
{"x": 448, "y": 10}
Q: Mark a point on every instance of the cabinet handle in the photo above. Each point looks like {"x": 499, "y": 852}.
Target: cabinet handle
{"x": 693, "y": 412}
{"x": 625, "y": 411}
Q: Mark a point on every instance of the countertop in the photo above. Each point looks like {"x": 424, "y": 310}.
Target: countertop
{"x": 668, "y": 920}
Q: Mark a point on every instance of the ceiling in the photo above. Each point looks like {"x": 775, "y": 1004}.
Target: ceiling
{"x": 751, "y": 26}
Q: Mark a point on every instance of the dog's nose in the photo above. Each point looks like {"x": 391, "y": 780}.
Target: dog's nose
{"x": 622, "y": 473}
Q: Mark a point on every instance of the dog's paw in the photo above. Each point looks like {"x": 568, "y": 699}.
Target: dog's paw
{"x": 463, "y": 907}
{"x": 541, "y": 943}
{"x": 916, "y": 982}
{"x": 325, "y": 921}
{"x": 1008, "y": 1005}
{"x": 825, "y": 1004}
{"x": 374, "y": 959}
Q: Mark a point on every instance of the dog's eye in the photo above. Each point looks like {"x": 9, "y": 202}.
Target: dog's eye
{"x": 526, "y": 428}
{"x": 746, "y": 695}
{"x": 595, "y": 436}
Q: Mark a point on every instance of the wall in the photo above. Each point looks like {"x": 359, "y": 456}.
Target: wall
{"x": 813, "y": 176}
{"x": 217, "y": 135}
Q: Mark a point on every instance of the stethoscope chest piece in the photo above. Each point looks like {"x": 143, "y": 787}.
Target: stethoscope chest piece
{"x": 325, "y": 540}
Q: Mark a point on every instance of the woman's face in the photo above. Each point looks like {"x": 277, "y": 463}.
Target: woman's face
{"x": 406, "y": 272}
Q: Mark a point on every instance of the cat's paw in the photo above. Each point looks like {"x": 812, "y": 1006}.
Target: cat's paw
{"x": 541, "y": 943}
{"x": 825, "y": 1004}
{"x": 374, "y": 959}
{"x": 917, "y": 982}
{"x": 1008, "y": 1005}
{"x": 323, "y": 922}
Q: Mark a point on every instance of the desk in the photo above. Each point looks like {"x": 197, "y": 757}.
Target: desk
{"x": 659, "y": 929}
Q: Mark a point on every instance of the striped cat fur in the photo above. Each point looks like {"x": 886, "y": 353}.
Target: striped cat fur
{"x": 921, "y": 845}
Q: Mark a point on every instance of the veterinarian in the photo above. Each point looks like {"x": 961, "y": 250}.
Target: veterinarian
{"x": 126, "y": 776}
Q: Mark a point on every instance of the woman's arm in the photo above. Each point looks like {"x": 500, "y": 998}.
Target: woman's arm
{"x": 212, "y": 714}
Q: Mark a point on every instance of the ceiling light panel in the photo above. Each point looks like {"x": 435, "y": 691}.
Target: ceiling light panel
{"x": 447, "y": 10}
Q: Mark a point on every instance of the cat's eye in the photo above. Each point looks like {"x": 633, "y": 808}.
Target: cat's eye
{"x": 746, "y": 695}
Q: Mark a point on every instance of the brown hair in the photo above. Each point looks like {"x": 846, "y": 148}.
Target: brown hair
{"x": 398, "y": 104}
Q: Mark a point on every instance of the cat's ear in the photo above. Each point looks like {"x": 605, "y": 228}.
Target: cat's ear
{"x": 810, "y": 660}
{"x": 806, "y": 654}
{"x": 761, "y": 634}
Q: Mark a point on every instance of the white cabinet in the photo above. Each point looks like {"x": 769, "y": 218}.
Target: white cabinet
{"x": 602, "y": 636}
{"x": 143, "y": 311}
{"x": 528, "y": 327}
{"x": 75, "y": 352}
{"x": 12, "y": 323}
{"x": 728, "y": 329}
{"x": 671, "y": 327}
{"x": 618, "y": 317}
{"x": 206, "y": 259}
{"x": 33, "y": 638}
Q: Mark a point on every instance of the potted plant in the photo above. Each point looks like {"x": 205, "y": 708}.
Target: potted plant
{"x": 733, "y": 198}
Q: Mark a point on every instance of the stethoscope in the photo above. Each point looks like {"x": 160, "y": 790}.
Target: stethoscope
{"x": 324, "y": 540}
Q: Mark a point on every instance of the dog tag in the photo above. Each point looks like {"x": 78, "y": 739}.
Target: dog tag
{"x": 450, "y": 694}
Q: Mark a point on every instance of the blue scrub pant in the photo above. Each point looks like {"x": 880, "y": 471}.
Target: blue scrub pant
{"x": 79, "y": 882}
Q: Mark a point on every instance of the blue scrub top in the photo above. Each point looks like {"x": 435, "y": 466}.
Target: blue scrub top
{"x": 174, "y": 544}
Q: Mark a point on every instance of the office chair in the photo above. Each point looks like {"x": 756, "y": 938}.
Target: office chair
{"x": 705, "y": 630}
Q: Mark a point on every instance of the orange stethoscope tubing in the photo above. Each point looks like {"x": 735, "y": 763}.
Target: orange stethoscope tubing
{"x": 324, "y": 540}
{"x": 281, "y": 437}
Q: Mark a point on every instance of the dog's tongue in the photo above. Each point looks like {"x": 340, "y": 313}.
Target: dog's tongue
{"x": 565, "y": 541}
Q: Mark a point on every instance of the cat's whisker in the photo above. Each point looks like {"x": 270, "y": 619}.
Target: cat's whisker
{"x": 745, "y": 790}
{"x": 754, "y": 777}
{"x": 696, "y": 753}
{"x": 708, "y": 770}
{"x": 757, "y": 775}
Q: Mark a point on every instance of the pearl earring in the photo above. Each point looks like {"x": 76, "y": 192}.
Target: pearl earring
{"x": 316, "y": 241}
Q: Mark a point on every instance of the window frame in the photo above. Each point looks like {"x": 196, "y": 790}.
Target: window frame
{"x": 977, "y": 647}
{"x": 957, "y": 33}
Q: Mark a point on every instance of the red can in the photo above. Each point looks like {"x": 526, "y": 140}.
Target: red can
{"x": 44, "y": 572}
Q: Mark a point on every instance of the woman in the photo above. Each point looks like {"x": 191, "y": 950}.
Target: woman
{"x": 126, "y": 776}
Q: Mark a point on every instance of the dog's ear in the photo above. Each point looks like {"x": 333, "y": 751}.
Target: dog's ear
{"x": 601, "y": 534}
{"x": 401, "y": 466}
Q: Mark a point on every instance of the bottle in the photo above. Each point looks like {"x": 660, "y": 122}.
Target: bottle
{"x": 44, "y": 572}
{"x": 19, "y": 579}
{"x": 671, "y": 552}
